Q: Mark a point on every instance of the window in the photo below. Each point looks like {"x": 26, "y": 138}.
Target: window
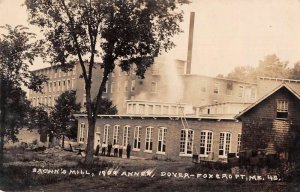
{"x": 74, "y": 70}
{"x": 253, "y": 92}
{"x": 84, "y": 99}
{"x": 205, "y": 143}
{"x": 81, "y": 132}
{"x": 105, "y": 134}
{"x": 126, "y": 86}
{"x": 73, "y": 83}
{"x": 50, "y": 86}
{"x": 116, "y": 134}
{"x": 68, "y": 84}
{"x": 58, "y": 86}
{"x": 239, "y": 143}
{"x": 137, "y": 138}
{"x": 282, "y": 109}
{"x": 126, "y": 135}
{"x": 229, "y": 88}
{"x": 157, "y": 109}
{"x": 186, "y": 142}
{"x": 132, "y": 87}
{"x": 150, "y": 109}
{"x": 49, "y": 101}
{"x": 155, "y": 69}
{"x": 241, "y": 91}
{"x": 153, "y": 87}
{"x": 105, "y": 88}
{"x": 141, "y": 109}
{"x": 216, "y": 88}
{"x": 224, "y": 148}
{"x": 203, "y": 86}
{"x": 173, "y": 110}
{"x": 149, "y": 132}
{"x": 165, "y": 110}
{"x": 112, "y": 87}
{"x": 247, "y": 92}
{"x": 161, "y": 145}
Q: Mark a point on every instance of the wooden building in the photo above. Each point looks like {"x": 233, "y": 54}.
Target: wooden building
{"x": 273, "y": 123}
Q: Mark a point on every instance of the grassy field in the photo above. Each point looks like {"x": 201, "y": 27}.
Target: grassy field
{"x": 57, "y": 170}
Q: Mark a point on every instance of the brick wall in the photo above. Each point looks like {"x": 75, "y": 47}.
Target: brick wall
{"x": 174, "y": 127}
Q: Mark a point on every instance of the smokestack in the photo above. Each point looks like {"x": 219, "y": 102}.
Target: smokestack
{"x": 190, "y": 45}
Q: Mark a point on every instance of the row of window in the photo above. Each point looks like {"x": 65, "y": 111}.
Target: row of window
{"x": 49, "y": 101}
{"x": 115, "y": 86}
{"x": 60, "y": 85}
{"x": 54, "y": 73}
{"x": 243, "y": 91}
{"x": 152, "y": 109}
{"x": 186, "y": 142}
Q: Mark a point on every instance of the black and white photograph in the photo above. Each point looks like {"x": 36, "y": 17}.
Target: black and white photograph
{"x": 150, "y": 95}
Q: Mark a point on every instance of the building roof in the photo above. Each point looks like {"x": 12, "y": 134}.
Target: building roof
{"x": 294, "y": 89}
{"x": 171, "y": 117}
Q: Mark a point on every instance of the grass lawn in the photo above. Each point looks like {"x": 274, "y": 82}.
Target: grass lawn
{"x": 40, "y": 171}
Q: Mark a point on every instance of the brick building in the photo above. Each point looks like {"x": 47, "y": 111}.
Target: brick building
{"x": 167, "y": 137}
{"x": 273, "y": 122}
{"x": 165, "y": 85}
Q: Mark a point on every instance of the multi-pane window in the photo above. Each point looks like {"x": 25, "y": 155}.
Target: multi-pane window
{"x": 54, "y": 86}
{"x": 186, "y": 141}
{"x": 81, "y": 132}
{"x": 149, "y": 132}
{"x": 126, "y": 135}
{"x": 141, "y": 109}
{"x": 153, "y": 87}
{"x": 112, "y": 87}
{"x": 224, "y": 147}
{"x": 282, "y": 109}
{"x": 239, "y": 143}
{"x": 137, "y": 138}
{"x": 241, "y": 91}
{"x": 105, "y": 88}
{"x": 205, "y": 143}
{"x": 116, "y": 134}
{"x": 162, "y": 135}
{"x": 216, "y": 89}
{"x": 105, "y": 134}
{"x": 132, "y": 87}
{"x": 253, "y": 92}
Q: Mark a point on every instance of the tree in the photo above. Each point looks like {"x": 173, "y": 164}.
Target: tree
{"x": 271, "y": 66}
{"x": 62, "y": 117}
{"x": 126, "y": 33}
{"x": 242, "y": 73}
{"x": 107, "y": 107}
{"x": 17, "y": 52}
{"x": 39, "y": 119}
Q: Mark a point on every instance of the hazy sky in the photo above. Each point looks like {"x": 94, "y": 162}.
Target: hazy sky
{"x": 228, "y": 33}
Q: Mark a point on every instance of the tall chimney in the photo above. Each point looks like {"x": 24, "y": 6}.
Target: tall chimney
{"x": 190, "y": 45}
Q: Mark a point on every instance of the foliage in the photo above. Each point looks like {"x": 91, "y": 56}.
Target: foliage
{"x": 13, "y": 109}
{"x": 107, "y": 107}
{"x": 271, "y": 66}
{"x": 121, "y": 32}
{"x": 17, "y": 52}
{"x": 39, "y": 119}
{"x": 62, "y": 117}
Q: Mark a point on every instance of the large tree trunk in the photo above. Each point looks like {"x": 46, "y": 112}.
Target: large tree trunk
{"x": 89, "y": 159}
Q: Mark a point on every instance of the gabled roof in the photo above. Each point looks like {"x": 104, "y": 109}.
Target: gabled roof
{"x": 294, "y": 89}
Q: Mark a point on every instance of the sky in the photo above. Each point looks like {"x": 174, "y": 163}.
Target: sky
{"x": 228, "y": 33}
